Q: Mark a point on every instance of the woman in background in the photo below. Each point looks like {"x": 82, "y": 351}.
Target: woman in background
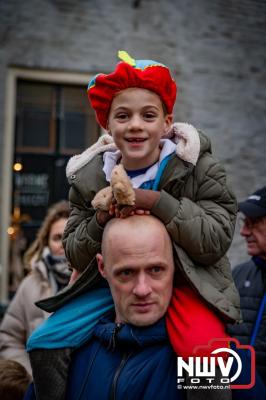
{"x": 49, "y": 273}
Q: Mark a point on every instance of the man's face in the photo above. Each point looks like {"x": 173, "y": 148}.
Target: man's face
{"x": 254, "y": 231}
{"x": 139, "y": 271}
{"x": 137, "y": 122}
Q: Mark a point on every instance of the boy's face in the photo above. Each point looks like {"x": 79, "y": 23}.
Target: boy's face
{"x": 137, "y": 122}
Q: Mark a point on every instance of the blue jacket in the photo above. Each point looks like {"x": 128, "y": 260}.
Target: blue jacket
{"x": 135, "y": 363}
{"x": 124, "y": 362}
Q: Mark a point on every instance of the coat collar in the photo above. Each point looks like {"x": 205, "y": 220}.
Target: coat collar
{"x": 112, "y": 334}
{"x": 184, "y": 135}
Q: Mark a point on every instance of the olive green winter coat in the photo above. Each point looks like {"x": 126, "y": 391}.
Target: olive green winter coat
{"x": 196, "y": 205}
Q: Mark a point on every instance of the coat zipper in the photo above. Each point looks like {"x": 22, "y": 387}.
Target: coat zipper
{"x": 117, "y": 373}
{"x": 112, "y": 343}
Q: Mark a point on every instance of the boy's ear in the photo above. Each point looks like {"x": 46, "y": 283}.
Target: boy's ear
{"x": 108, "y": 129}
{"x": 168, "y": 120}
{"x": 100, "y": 264}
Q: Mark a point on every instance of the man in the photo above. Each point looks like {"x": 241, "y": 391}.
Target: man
{"x": 130, "y": 356}
{"x": 250, "y": 279}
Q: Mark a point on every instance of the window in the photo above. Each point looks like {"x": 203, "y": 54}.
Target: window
{"x": 53, "y": 122}
{"x": 53, "y": 118}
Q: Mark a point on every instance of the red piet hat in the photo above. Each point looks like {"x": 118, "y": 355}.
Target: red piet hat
{"x": 144, "y": 74}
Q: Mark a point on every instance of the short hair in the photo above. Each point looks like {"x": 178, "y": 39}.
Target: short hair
{"x": 55, "y": 212}
{"x": 14, "y": 380}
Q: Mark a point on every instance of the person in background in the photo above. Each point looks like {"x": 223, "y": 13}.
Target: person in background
{"x": 250, "y": 279}
{"x": 14, "y": 380}
{"x": 49, "y": 273}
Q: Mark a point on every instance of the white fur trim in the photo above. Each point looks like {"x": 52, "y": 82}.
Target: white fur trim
{"x": 184, "y": 135}
{"x": 187, "y": 139}
{"x": 104, "y": 143}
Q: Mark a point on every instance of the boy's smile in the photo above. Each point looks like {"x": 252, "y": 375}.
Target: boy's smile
{"x": 137, "y": 122}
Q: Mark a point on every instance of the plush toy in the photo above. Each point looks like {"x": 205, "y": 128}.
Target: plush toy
{"x": 121, "y": 190}
{"x": 103, "y": 199}
{"x": 122, "y": 187}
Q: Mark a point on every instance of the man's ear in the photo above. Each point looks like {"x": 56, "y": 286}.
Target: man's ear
{"x": 100, "y": 264}
{"x": 168, "y": 120}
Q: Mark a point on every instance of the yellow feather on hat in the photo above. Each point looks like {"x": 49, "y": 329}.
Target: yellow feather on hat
{"x": 124, "y": 56}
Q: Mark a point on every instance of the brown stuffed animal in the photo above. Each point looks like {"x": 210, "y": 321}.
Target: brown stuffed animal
{"x": 121, "y": 190}
{"x": 122, "y": 187}
{"x": 103, "y": 199}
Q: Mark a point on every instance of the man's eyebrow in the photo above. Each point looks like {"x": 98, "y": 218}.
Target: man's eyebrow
{"x": 157, "y": 264}
{"x": 117, "y": 270}
{"x": 150, "y": 265}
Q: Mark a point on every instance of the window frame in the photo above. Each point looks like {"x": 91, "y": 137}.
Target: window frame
{"x": 13, "y": 74}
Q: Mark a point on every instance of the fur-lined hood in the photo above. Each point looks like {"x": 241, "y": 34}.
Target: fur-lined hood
{"x": 184, "y": 135}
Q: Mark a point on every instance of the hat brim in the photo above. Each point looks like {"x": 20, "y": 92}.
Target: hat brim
{"x": 251, "y": 210}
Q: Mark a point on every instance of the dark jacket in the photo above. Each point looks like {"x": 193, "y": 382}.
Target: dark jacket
{"x": 250, "y": 279}
{"x": 125, "y": 362}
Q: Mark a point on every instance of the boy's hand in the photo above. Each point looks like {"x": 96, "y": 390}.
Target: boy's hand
{"x": 145, "y": 199}
{"x": 120, "y": 211}
{"x": 103, "y": 217}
